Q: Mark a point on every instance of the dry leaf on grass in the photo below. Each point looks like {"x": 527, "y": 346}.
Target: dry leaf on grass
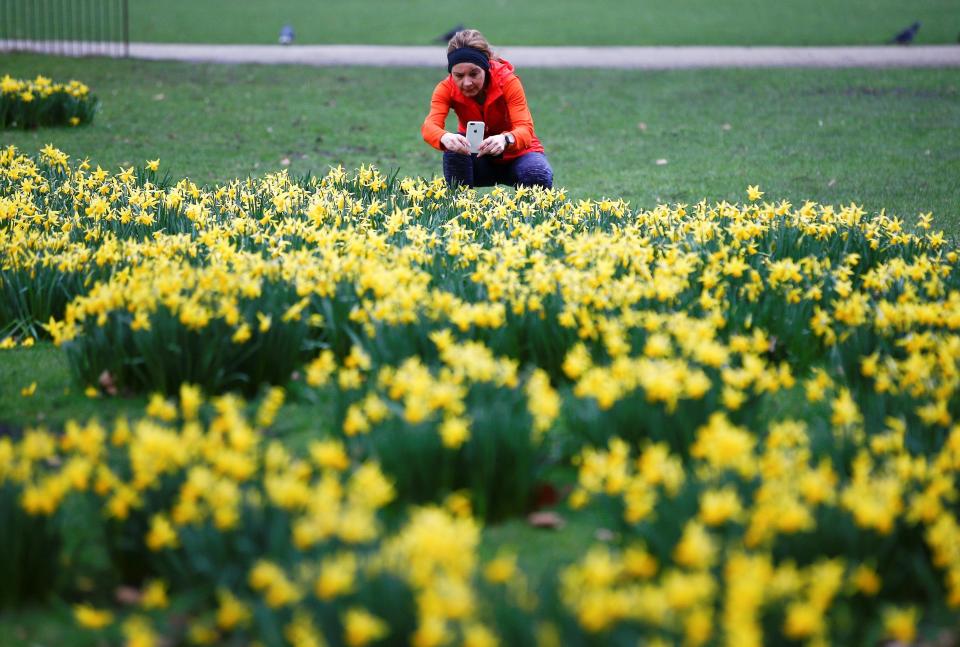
{"x": 603, "y": 534}
{"x": 127, "y": 595}
{"x": 107, "y": 384}
{"x": 546, "y": 519}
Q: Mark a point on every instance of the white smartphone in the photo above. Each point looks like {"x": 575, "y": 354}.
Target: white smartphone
{"x": 475, "y": 135}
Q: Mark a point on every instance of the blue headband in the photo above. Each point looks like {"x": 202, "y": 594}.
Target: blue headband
{"x": 468, "y": 55}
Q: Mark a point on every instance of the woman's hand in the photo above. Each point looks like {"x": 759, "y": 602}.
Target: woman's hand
{"x": 455, "y": 143}
{"x": 493, "y": 145}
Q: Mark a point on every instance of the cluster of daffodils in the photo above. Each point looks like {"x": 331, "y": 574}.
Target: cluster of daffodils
{"x": 751, "y": 539}
{"x": 41, "y": 102}
{"x": 766, "y": 539}
{"x": 471, "y": 423}
{"x": 193, "y": 500}
{"x": 775, "y": 387}
{"x": 674, "y": 312}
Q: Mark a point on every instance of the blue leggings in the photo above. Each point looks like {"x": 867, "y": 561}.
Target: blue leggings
{"x": 530, "y": 169}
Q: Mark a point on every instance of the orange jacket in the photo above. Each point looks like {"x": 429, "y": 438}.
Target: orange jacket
{"x": 505, "y": 109}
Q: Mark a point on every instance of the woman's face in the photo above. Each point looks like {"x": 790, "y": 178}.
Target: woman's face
{"x": 469, "y": 78}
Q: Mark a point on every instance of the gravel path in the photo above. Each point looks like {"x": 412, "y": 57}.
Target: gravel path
{"x": 650, "y": 58}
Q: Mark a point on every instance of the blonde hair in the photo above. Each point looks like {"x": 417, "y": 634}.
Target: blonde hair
{"x": 471, "y": 38}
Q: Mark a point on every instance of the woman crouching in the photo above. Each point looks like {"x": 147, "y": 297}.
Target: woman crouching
{"x": 483, "y": 87}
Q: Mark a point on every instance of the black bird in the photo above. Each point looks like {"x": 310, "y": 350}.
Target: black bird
{"x": 445, "y": 38}
{"x": 907, "y": 35}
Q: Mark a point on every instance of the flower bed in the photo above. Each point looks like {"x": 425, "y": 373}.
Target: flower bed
{"x": 40, "y": 102}
{"x": 760, "y": 398}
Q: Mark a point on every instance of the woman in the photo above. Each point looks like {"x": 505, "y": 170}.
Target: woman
{"x": 483, "y": 87}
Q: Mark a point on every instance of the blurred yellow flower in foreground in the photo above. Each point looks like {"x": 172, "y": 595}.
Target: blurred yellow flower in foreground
{"x": 361, "y": 627}
{"x": 88, "y": 616}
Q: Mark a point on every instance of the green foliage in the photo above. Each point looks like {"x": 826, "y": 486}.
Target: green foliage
{"x": 30, "y": 298}
{"x": 495, "y": 465}
{"x": 170, "y": 354}
{"x": 29, "y": 549}
{"x": 43, "y": 626}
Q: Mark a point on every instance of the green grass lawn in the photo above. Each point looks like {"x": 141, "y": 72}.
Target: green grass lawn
{"x": 886, "y": 139}
{"x": 548, "y": 22}
{"x": 56, "y": 398}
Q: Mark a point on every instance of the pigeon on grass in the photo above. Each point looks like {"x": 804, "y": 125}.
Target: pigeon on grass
{"x": 907, "y": 35}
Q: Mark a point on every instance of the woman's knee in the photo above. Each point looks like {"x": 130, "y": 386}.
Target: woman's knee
{"x": 533, "y": 169}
